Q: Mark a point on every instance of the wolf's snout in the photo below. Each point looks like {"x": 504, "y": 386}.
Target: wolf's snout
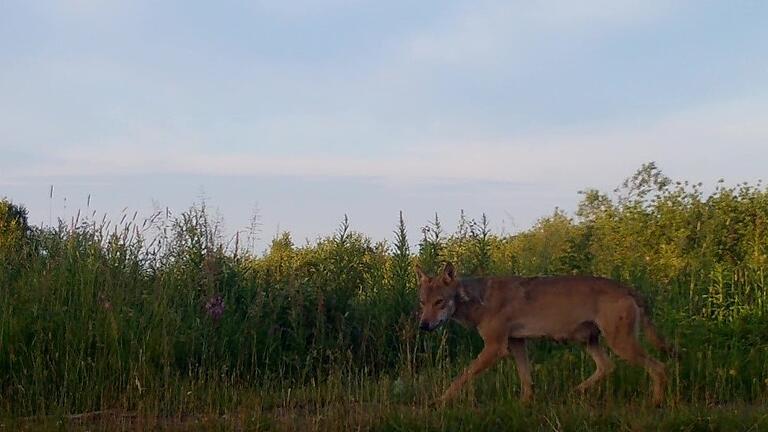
{"x": 425, "y": 326}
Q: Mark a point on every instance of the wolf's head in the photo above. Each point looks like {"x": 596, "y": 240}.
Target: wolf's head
{"x": 438, "y": 296}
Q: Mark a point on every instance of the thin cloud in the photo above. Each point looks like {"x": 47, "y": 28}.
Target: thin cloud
{"x": 486, "y": 33}
{"x": 556, "y": 158}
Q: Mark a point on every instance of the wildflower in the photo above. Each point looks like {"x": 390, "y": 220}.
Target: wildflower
{"x": 104, "y": 302}
{"x": 214, "y": 307}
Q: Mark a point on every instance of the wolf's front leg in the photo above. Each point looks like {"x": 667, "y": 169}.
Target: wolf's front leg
{"x": 487, "y": 358}
{"x": 518, "y": 349}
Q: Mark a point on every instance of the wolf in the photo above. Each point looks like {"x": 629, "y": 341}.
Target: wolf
{"x": 506, "y": 311}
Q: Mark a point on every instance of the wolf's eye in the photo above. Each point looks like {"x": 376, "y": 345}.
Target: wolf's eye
{"x": 439, "y": 302}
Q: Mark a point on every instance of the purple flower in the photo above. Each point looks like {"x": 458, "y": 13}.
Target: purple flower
{"x": 214, "y": 307}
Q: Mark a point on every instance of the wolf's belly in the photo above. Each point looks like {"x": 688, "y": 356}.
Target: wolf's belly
{"x": 564, "y": 329}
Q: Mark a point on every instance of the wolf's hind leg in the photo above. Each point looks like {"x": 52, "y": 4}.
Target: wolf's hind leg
{"x": 621, "y": 333}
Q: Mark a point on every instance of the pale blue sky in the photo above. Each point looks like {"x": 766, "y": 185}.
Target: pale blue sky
{"x": 314, "y": 109}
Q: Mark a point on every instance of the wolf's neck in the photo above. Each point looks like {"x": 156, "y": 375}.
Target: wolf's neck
{"x": 468, "y": 311}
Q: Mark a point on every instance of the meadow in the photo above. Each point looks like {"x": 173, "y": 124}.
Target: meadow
{"x": 165, "y": 323}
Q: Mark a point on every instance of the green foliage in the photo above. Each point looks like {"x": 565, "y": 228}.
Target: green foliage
{"x": 431, "y": 246}
{"x": 15, "y": 235}
{"x": 401, "y": 267}
{"x": 470, "y": 249}
{"x": 164, "y": 315}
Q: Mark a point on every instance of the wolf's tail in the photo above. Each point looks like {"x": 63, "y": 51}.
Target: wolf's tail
{"x": 651, "y": 334}
{"x": 650, "y": 331}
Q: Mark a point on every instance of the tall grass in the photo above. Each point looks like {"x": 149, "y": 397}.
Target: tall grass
{"x": 163, "y": 315}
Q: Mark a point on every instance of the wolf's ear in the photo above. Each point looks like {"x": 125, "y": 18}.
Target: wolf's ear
{"x": 449, "y": 274}
{"x": 420, "y": 273}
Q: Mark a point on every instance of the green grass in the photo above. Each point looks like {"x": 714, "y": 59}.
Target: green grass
{"x": 119, "y": 319}
{"x": 348, "y": 403}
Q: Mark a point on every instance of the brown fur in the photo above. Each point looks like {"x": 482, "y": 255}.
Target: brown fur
{"x": 506, "y": 311}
